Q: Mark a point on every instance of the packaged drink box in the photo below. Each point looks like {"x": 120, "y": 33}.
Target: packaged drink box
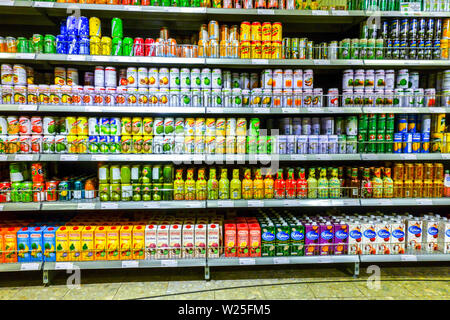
{"x": 398, "y": 237}
{"x": 213, "y": 240}
{"x": 414, "y": 230}
{"x": 23, "y": 245}
{"x": 200, "y": 236}
{"x": 10, "y": 244}
{"x": 230, "y": 239}
{"x": 242, "y": 239}
{"x": 150, "y": 241}
{"x": 254, "y": 239}
{"x": 369, "y": 238}
{"x": 326, "y": 239}
{"x": 444, "y": 236}
{"x": 175, "y": 241}
{"x": 431, "y": 235}
{"x": 87, "y": 244}
{"x": 355, "y": 238}
{"x": 100, "y": 242}
{"x": 282, "y": 239}
{"x": 297, "y": 231}
{"x": 74, "y": 243}
{"x": 2, "y": 247}
{"x": 162, "y": 241}
{"x": 62, "y": 243}
{"x": 138, "y": 252}
{"x": 340, "y": 238}
{"x": 312, "y": 236}
{"x": 188, "y": 240}
{"x": 384, "y": 234}
{"x": 113, "y": 243}
{"x": 36, "y": 254}
{"x": 126, "y": 242}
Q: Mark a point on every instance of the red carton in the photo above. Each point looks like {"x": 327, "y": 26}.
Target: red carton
{"x": 242, "y": 239}
{"x": 255, "y": 239}
{"x": 230, "y": 239}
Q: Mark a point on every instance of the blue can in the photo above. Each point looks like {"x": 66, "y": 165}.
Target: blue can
{"x": 402, "y": 124}
{"x": 93, "y": 144}
{"x": 61, "y": 44}
{"x": 438, "y": 29}
{"x": 407, "y": 143}
{"x": 78, "y": 190}
{"x": 84, "y": 45}
{"x": 421, "y": 43}
{"x": 83, "y": 26}
{"x": 290, "y": 144}
{"x": 428, "y": 44}
{"x": 425, "y": 142}
{"x": 103, "y": 144}
{"x": 385, "y": 29}
{"x": 412, "y": 123}
{"x": 73, "y": 44}
{"x": 398, "y": 139}
{"x": 416, "y": 143}
{"x": 430, "y": 29}
{"x": 413, "y": 25}
{"x": 114, "y": 144}
{"x": 63, "y": 27}
{"x": 64, "y": 191}
{"x": 403, "y": 43}
{"x": 404, "y": 28}
{"x": 396, "y": 43}
{"x": 395, "y": 28}
{"x": 422, "y": 28}
{"x": 72, "y": 25}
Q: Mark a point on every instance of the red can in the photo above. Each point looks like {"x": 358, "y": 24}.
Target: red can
{"x": 150, "y": 50}
{"x": 126, "y": 2}
{"x": 5, "y": 191}
{"x": 260, "y": 4}
{"x": 37, "y": 172}
{"x": 145, "y": 2}
{"x": 50, "y": 188}
{"x": 38, "y": 191}
{"x": 138, "y": 48}
{"x": 272, "y": 4}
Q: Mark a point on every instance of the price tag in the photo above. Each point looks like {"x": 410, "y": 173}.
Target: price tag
{"x": 321, "y": 62}
{"x": 411, "y": 63}
{"x": 298, "y": 157}
{"x": 247, "y": 261}
{"x": 384, "y": 202}
{"x": 63, "y": 265}
{"x": 408, "y": 257}
{"x": 322, "y": 202}
{"x": 28, "y": 56}
{"x": 261, "y": 110}
{"x": 39, "y": 4}
{"x": 152, "y": 205}
{"x": 255, "y": 203}
{"x": 3, "y": 157}
{"x": 323, "y": 157}
{"x": 93, "y": 109}
{"x": 351, "y": 202}
{"x": 225, "y": 204}
{"x": 1, "y": 207}
{"x": 109, "y": 205}
{"x": 68, "y": 157}
{"x": 290, "y": 203}
{"x": 445, "y": 156}
{"x": 133, "y": 8}
{"x": 193, "y": 204}
{"x": 408, "y": 157}
{"x": 289, "y": 110}
{"x": 354, "y": 62}
{"x": 319, "y": 12}
{"x": 424, "y": 202}
{"x": 75, "y": 57}
{"x": 86, "y": 206}
{"x": 130, "y": 264}
{"x": 265, "y": 11}
{"x": 369, "y": 157}
{"x": 29, "y": 266}
{"x": 437, "y": 110}
{"x": 314, "y": 110}
{"x": 337, "y": 202}
{"x": 97, "y": 157}
{"x": 339, "y": 13}
{"x": 30, "y": 107}
{"x": 324, "y": 260}
{"x": 281, "y": 260}
{"x": 260, "y": 61}
{"x": 23, "y": 157}
{"x": 169, "y": 263}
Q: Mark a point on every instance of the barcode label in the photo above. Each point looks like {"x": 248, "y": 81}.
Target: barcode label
{"x": 63, "y": 265}
{"x": 23, "y": 157}
{"x": 29, "y": 266}
{"x": 29, "y": 107}
{"x": 107, "y": 205}
{"x": 39, "y": 4}
{"x": 265, "y": 11}
{"x": 281, "y": 260}
{"x": 247, "y": 261}
{"x": 74, "y": 57}
{"x": 169, "y": 263}
{"x": 86, "y": 206}
{"x": 130, "y": 264}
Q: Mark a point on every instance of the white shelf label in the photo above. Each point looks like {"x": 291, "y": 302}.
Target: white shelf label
{"x": 319, "y": 12}
{"x": 29, "y": 107}
{"x": 193, "y": 204}
{"x": 351, "y": 202}
{"x": 265, "y": 11}
{"x": 169, "y": 263}
{"x": 339, "y": 13}
{"x": 97, "y": 157}
{"x": 63, "y": 265}
{"x": 424, "y": 202}
{"x": 247, "y": 261}
{"x": 445, "y": 156}
{"x": 281, "y": 260}
{"x": 323, "y": 157}
{"x": 408, "y": 157}
{"x": 133, "y": 8}
{"x": 384, "y": 202}
{"x": 93, "y": 109}
{"x": 314, "y": 110}
{"x": 109, "y": 205}
{"x": 408, "y": 257}
{"x": 1, "y": 207}
{"x": 23, "y": 157}
{"x": 436, "y": 110}
{"x": 255, "y": 203}
{"x": 29, "y": 266}
{"x": 354, "y": 62}
{"x": 298, "y": 157}
{"x": 7, "y": 3}
{"x": 39, "y": 4}
{"x": 369, "y": 157}
{"x": 130, "y": 264}
{"x": 289, "y": 110}
{"x": 68, "y": 157}
{"x": 152, "y": 205}
{"x": 322, "y": 202}
{"x": 75, "y": 57}
{"x": 98, "y": 58}
{"x": 321, "y": 62}
{"x": 260, "y": 61}
{"x": 225, "y": 204}
{"x": 411, "y": 63}
{"x": 261, "y": 110}
{"x": 337, "y": 202}
{"x": 290, "y": 203}
{"x": 324, "y": 260}
{"x": 3, "y": 157}
{"x": 86, "y": 206}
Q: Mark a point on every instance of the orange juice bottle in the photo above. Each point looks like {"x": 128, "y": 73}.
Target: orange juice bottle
{"x": 75, "y": 243}
{"x": 138, "y": 242}
{"x": 100, "y": 243}
{"x": 62, "y": 244}
{"x": 126, "y": 242}
{"x": 87, "y": 244}
{"x": 10, "y": 244}
{"x": 112, "y": 243}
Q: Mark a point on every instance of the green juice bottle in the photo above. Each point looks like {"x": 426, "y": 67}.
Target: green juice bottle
{"x": 224, "y": 185}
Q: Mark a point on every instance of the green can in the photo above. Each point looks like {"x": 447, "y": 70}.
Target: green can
{"x": 370, "y": 53}
{"x": 287, "y": 48}
{"x": 282, "y": 239}
{"x": 146, "y": 191}
{"x": 372, "y": 122}
{"x": 389, "y": 138}
{"x": 157, "y": 174}
{"x": 380, "y": 142}
{"x": 135, "y": 173}
{"x": 26, "y": 189}
{"x": 267, "y": 240}
{"x": 104, "y": 190}
{"x": 38, "y": 43}
{"x": 297, "y": 232}
{"x": 252, "y": 145}
{"x": 137, "y": 192}
{"x": 16, "y": 195}
{"x": 254, "y": 127}
{"x": 390, "y": 122}
{"x": 363, "y": 48}
{"x": 379, "y": 49}
{"x": 372, "y": 138}
{"x": 270, "y": 145}
{"x": 364, "y": 34}
{"x": 354, "y": 53}
{"x": 157, "y": 191}
{"x": 381, "y": 122}
{"x": 344, "y": 51}
{"x": 116, "y": 28}
{"x": 261, "y": 145}
{"x": 192, "y": 3}
{"x": 362, "y": 141}
{"x": 22, "y": 45}
{"x": 117, "y": 47}
{"x": 114, "y": 174}
{"x": 116, "y": 191}
{"x": 146, "y": 174}
{"x": 127, "y": 47}
{"x": 49, "y": 43}
{"x": 167, "y": 194}
{"x": 168, "y": 174}
{"x": 125, "y": 174}
{"x": 362, "y": 122}
{"x": 157, "y": 3}
{"x": 126, "y": 191}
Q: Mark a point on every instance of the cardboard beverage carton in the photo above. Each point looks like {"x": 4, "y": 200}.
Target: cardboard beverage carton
{"x": 162, "y": 241}
{"x": 414, "y": 227}
{"x": 49, "y": 244}
{"x": 254, "y": 239}
{"x": 126, "y": 242}
{"x": 444, "y": 236}
{"x": 242, "y": 240}
{"x": 10, "y": 244}
{"x": 213, "y": 242}
{"x": 36, "y": 252}
{"x": 151, "y": 241}
{"x": 230, "y": 240}
{"x": 384, "y": 234}
{"x": 113, "y": 243}
{"x": 23, "y": 245}
{"x": 75, "y": 243}
{"x": 297, "y": 231}
{"x": 369, "y": 238}
{"x": 267, "y": 240}
{"x": 355, "y": 237}
{"x": 62, "y": 244}
{"x": 87, "y": 243}
{"x": 398, "y": 237}
{"x": 175, "y": 240}
{"x": 188, "y": 240}
{"x": 312, "y": 236}
{"x": 100, "y": 242}
{"x": 282, "y": 239}
{"x": 200, "y": 236}
{"x": 340, "y": 238}
{"x": 138, "y": 242}
{"x": 431, "y": 235}
{"x": 326, "y": 239}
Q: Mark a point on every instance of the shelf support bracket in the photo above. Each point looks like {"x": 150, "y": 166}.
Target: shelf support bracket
{"x": 207, "y": 273}
{"x": 356, "y": 270}
{"x": 45, "y": 277}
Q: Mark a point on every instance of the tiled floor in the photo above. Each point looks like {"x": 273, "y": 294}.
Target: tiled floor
{"x": 301, "y": 282}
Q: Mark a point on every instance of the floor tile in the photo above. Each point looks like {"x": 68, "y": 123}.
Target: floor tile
{"x": 335, "y": 290}
{"x": 290, "y": 291}
{"x": 42, "y": 293}
{"x": 240, "y": 294}
{"x": 93, "y": 292}
{"x": 428, "y": 288}
{"x": 386, "y": 289}
{"x": 140, "y": 290}
{"x": 8, "y": 293}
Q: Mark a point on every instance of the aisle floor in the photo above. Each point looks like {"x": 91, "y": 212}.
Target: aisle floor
{"x": 300, "y": 282}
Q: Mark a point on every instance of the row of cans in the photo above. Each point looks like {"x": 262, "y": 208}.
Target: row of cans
{"x": 319, "y": 126}
{"x": 411, "y": 143}
{"x": 409, "y": 28}
{"x": 380, "y": 79}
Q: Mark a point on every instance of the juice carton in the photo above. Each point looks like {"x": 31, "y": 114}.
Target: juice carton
{"x": 87, "y": 244}
{"x": 162, "y": 241}
{"x": 242, "y": 239}
{"x": 384, "y": 234}
{"x": 340, "y": 238}
{"x": 175, "y": 242}
{"x": 230, "y": 240}
{"x": 10, "y": 244}
{"x": 188, "y": 240}
{"x": 326, "y": 239}
{"x": 138, "y": 242}
{"x": 267, "y": 240}
{"x": 100, "y": 242}
{"x": 150, "y": 241}
{"x": 75, "y": 243}
{"x": 354, "y": 237}
{"x": 112, "y": 243}
{"x": 282, "y": 236}
{"x": 297, "y": 231}
{"x": 2, "y": 256}
{"x": 213, "y": 242}
{"x": 36, "y": 244}
{"x": 431, "y": 235}
{"x": 414, "y": 229}
{"x": 200, "y": 237}
{"x": 311, "y": 239}
{"x": 444, "y": 236}
{"x": 397, "y": 237}
{"x": 369, "y": 238}
{"x": 23, "y": 245}
{"x": 255, "y": 239}
{"x": 126, "y": 242}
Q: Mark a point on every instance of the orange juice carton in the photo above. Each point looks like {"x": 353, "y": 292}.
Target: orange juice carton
{"x": 398, "y": 237}
{"x": 87, "y": 244}
{"x": 151, "y": 240}
{"x": 75, "y": 243}
{"x": 414, "y": 230}
{"x": 126, "y": 242}
{"x": 36, "y": 253}
{"x": 354, "y": 237}
{"x": 431, "y": 235}
{"x": 10, "y": 244}
{"x": 113, "y": 243}
{"x": 255, "y": 239}
{"x": 188, "y": 240}
{"x": 100, "y": 242}
{"x": 230, "y": 239}
{"x": 23, "y": 245}
{"x": 213, "y": 240}
{"x": 384, "y": 234}
{"x": 242, "y": 239}
{"x": 200, "y": 237}
{"x": 62, "y": 243}
{"x": 175, "y": 243}
{"x": 2, "y": 256}
{"x": 162, "y": 241}
{"x": 369, "y": 237}
{"x": 138, "y": 242}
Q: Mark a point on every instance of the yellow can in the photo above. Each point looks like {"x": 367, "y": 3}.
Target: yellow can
{"x": 276, "y": 49}
{"x": 245, "y": 31}
{"x": 277, "y": 31}
{"x": 82, "y": 143}
{"x": 446, "y": 146}
{"x": 82, "y": 126}
{"x": 245, "y": 52}
{"x": 136, "y": 126}
{"x": 256, "y": 50}
{"x": 446, "y": 29}
{"x": 95, "y": 27}
{"x": 444, "y": 49}
{"x": 241, "y": 127}
{"x": 72, "y": 126}
{"x": 202, "y": 47}
{"x": 72, "y": 144}
{"x": 439, "y": 123}
{"x": 240, "y": 144}
{"x": 210, "y": 144}
{"x": 256, "y": 31}
{"x": 125, "y": 124}
{"x": 147, "y": 125}
{"x": 127, "y": 144}
{"x": 210, "y": 127}
{"x": 266, "y": 50}
{"x": 224, "y": 48}
{"x": 95, "y": 46}
{"x": 106, "y": 43}
{"x": 221, "y": 125}
{"x": 147, "y": 144}
{"x": 220, "y": 144}
{"x": 138, "y": 144}
{"x": 436, "y": 142}
{"x": 266, "y": 31}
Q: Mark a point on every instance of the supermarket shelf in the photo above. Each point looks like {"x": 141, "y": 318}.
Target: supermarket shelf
{"x": 407, "y": 63}
{"x": 117, "y": 109}
{"x": 404, "y": 156}
{"x": 281, "y": 203}
{"x": 20, "y": 206}
{"x": 151, "y": 205}
{"x": 281, "y": 260}
{"x": 266, "y": 158}
{"x": 18, "y": 107}
{"x": 405, "y": 257}
{"x": 405, "y": 202}
{"x": 405, "y": 110}
{"x": 29, "y": 266}
{"x": 19, "y": 157}
{"x": 282, "y": 110}
{"x": 12, "y": 3}
{"x": 87, "y": 204}
{"x": 176, "y": 158}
